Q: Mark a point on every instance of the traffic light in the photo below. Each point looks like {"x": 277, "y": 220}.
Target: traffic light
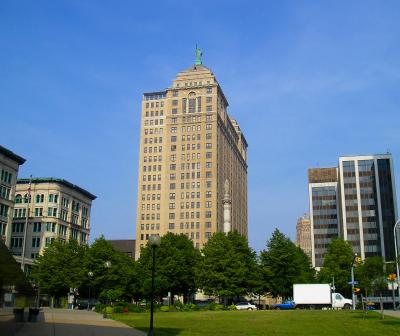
{"x": 358, "y": 261}
{"x": 356, "y": 290}
{"x": 392, "y": 277}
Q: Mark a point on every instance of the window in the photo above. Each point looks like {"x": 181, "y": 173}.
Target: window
{"x": 64, "y": 214}
{"x": 16, "y": 242}
{"x": 4, "y": 210}
{"x": 48, "y": 241}
{"x": 209, "y": 90}
{"x": 40, "y": 198}
{"x": 17, "y": 227}
{"x": 3, "y": 227}
{"x": 174, "y": 110}
{"x": 38, "y": 212}
{"x": 192, "y": 105}
{"x": 52, "y": 212}
{"x": 208, "y": 100}
{"x": 18, "y": 198}
{"x": 175, "y": 102}
{"x": 35, "y": 242}
{"x": 51, "y": 227}
{"x": 37, "y": 226}
{"x": 171, "y": 226}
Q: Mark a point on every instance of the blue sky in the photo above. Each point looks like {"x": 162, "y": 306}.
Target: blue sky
{"x": 308, "y": 81}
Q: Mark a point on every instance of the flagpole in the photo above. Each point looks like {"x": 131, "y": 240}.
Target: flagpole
{"x": 26, "y": 225}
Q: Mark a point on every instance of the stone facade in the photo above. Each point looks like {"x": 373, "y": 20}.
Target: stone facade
{"x": 9, "y": 166}
{"x": 189, "y": 146}
{"x": 57, "y": 209}
{"x": 303, "y": 234}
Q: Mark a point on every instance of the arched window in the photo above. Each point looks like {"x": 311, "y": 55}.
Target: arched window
{"x": 18, "y": 198}
{"x": 27, "y": 198}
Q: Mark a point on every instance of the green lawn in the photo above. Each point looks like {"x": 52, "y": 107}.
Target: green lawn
{"x": 256, "y": 323}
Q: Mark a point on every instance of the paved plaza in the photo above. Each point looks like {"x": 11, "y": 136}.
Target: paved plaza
{"x": 64, "y": 322}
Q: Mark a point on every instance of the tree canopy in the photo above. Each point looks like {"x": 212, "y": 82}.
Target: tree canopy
{"x": 337, "y": 265}
{"x": 228, "y": 267}
{"x": 60, "y": 267}
{"x": 283, "y": 264}
{"x": 176, "y": 258}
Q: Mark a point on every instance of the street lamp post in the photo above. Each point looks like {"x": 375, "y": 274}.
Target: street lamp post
{"x": 107, "y": 265}
{"x": 352, "y": 282}
{"x": 154, "y": 242}
{"x": 397, "y": 257}
{"x": 90, "y": 274}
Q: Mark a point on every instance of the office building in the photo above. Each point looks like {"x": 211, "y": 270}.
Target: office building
{"x": 56, "y": 208}
{"x": 189, "y": 147}
{"x": 9, "y": 166}
{"x": 324, "y": 214}
{"x": 369, "y": 204}
{"x": 358, "y": 204}
{"x": 303, "y": 234}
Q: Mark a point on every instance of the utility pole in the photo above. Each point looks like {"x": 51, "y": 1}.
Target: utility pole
{"x": 28, "y": 201}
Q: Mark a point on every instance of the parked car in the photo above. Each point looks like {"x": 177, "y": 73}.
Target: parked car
{"x": 202, "y": 303}
{"x": 288, "y": 304}
{"x": 245, "y": 306}
{"x": 83, "y": 303}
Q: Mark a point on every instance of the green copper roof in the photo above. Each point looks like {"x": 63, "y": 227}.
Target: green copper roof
{"x": 11, "y": 155}
{"x": 57, "y": 180}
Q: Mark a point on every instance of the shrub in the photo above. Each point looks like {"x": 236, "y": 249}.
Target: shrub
{"x": 99, "y": 307}
{"x": 231, "y": 307}
{"x": 190, "y": 307}
{"x": 164, "y": 308}
{"x": 109, "y": 310}
{"x": 136, "y": 309}
{"x": 118, "y": 309}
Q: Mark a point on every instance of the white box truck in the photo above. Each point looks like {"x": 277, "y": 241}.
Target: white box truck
{"x": 318, "y": 296}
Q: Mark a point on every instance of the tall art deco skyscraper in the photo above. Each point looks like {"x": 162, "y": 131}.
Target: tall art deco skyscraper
{"x": 189, "y": 147}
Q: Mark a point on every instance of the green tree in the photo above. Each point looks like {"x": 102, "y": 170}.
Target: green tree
{"x": 176, "y": 258}
{"x": 113, "y": 272}
{"x": 337, "y": 265}
{"x": 228, "y": 267}
{"x": 283, "y": 264}
{"x": 59, "y": 268}
{"x": 371, "y": 275}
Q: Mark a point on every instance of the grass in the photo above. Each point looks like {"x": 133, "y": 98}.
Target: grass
{"x": 255, "y": 323}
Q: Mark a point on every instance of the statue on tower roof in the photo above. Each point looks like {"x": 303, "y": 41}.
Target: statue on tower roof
{"x": 198, "y": 56}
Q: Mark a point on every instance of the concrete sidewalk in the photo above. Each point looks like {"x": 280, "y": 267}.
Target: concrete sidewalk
{"x": 393, "y": 313}
{"x": 66, "y": 322}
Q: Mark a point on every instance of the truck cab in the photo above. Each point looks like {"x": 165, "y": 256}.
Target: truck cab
{"x": 339, "y": 302}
